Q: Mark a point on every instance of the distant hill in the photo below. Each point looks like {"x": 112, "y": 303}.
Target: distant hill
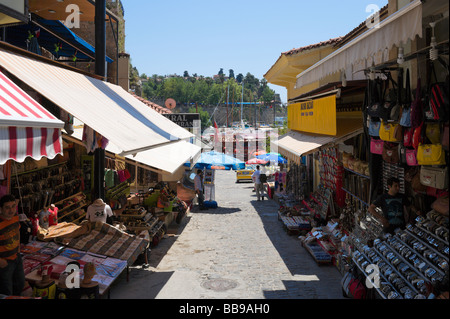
{"x": 197, "y": 92}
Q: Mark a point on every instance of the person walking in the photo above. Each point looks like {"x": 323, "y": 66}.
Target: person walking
{"x": 12, "y": 276}
{"x": 259, "y": 185}
{"x": 198, "y": 185}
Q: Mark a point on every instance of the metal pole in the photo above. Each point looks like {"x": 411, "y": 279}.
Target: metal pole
{"x": 274, "y": 111}
{"x": 100, "y": 69}
{"x": 242, "y": 103}
{"x": 228, "y": 101}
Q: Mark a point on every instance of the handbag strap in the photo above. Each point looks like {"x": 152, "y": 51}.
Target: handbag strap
{"x": 408, "y": 89}
{"x": 375, "y": 91}
{"x": 388, "y": 81}
{"x": 432, "y": 72}
{"x": 400, "y": 86}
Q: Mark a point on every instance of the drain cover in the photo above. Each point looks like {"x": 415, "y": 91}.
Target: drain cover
{"x": 219, "y": 284}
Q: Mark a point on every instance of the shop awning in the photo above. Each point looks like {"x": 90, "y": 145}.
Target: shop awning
{"x": 293, "y": 145}
{"x": 26, "y": 127}
{"x": 169, "y": 158}
{"x": 396, "y": 29}
{"x": 107, "y": 108}
{"x": 163, "y": 159}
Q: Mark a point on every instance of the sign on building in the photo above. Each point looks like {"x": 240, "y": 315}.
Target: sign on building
{"x": 185, "y": 120}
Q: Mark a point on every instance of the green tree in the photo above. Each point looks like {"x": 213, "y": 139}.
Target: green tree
{"x": 239, "y": 78}
{"x": 204, "y": 116}
{"x": 267, "y": 95}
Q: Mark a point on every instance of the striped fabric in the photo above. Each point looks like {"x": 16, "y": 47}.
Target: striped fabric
{"x": 26, "y": 127}
{"x": 107, "y": 240}
{"x": 19, "y": 142}
{"x": 9, "y": 238}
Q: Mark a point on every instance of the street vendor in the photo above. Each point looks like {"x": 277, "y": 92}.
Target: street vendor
{"x": 99, "y": 211}
{"x": 12, "y": 276}
{"x": 393, "y": 206}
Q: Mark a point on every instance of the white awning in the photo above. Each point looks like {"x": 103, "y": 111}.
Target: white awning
{"x": 293, "y": 145}
{"x": 170, "y": 157}
{"x": 370, "y": 46}
{"x": 166, "y": 158}
{"x": 107, "y": 108}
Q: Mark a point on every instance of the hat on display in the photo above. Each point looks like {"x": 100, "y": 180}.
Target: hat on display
{"x": 99, "y": 203}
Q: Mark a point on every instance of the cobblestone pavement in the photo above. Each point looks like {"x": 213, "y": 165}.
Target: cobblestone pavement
{"x": 237, "y": 251}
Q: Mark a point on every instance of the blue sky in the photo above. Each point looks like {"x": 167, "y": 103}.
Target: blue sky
{"x": 202, "y": 36}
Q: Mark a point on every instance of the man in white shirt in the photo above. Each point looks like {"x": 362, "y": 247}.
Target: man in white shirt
{"x": 198, "y": 185}
{"x": 98, "y": 211}
{"x": 259, "y": 187}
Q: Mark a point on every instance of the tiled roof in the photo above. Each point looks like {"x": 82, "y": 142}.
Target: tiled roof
{"x": 156, "y": 107}
{"x": 362, "y": 27}
{"x": 313, "y": 46}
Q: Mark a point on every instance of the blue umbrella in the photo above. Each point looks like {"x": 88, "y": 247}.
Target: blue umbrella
{"x": 272, "y": 157}
{"x": 216, "y": 160}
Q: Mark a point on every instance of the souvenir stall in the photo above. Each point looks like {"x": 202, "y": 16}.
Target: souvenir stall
{"x": 326, "y": 205}
{"x": 408, "y": 140}
{"x": 48, "y": 266}
{"x": 289, "y": 192}
{"x": 140, "y": 203}
{"x": 54, "y": 197}
{"x": 317, "y": 216}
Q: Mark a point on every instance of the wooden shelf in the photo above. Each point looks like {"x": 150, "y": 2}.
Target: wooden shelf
{"x": 72, "y": 211}
{"x": 40, "y": 169}
{"x": 76, "y": 220}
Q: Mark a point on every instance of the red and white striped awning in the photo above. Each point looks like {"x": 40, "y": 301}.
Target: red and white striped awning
{"x": 26, "y": 127}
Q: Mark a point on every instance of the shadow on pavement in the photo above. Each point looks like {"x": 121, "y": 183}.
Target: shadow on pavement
{"x": 140, "y": 274}
{"x": 138, "y": 287}
{"x": 217, "y": 211}
{"x": 315, "y": 281}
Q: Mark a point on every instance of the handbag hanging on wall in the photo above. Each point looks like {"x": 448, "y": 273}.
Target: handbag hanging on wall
{"x": 376, "y": 146}
{"x": 416, "y": 107}
{"x": 400, "y": 95}
{"x": 405, "y": 119}
{"x": 411, "y": 157}
{"x": 391, "y": 132}
{"x": 408, "y": 136}
{"x": 374, "y": 106}
{"x": 374, "y": 128}
{"x": 437, "y": 101}
{"x": 391, "y": 153}
{"x": 391, "y": 108}
{"x": 430, "y": 154}
{"x": 433, "y": 132}
{"x": 417, "y": 136}
{"x": 434, "y": 177}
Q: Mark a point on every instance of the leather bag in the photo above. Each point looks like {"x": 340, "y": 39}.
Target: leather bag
{"x": 391, "y": 153}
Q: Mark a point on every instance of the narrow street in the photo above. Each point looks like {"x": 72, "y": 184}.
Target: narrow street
{"x": 237, "y": 251}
